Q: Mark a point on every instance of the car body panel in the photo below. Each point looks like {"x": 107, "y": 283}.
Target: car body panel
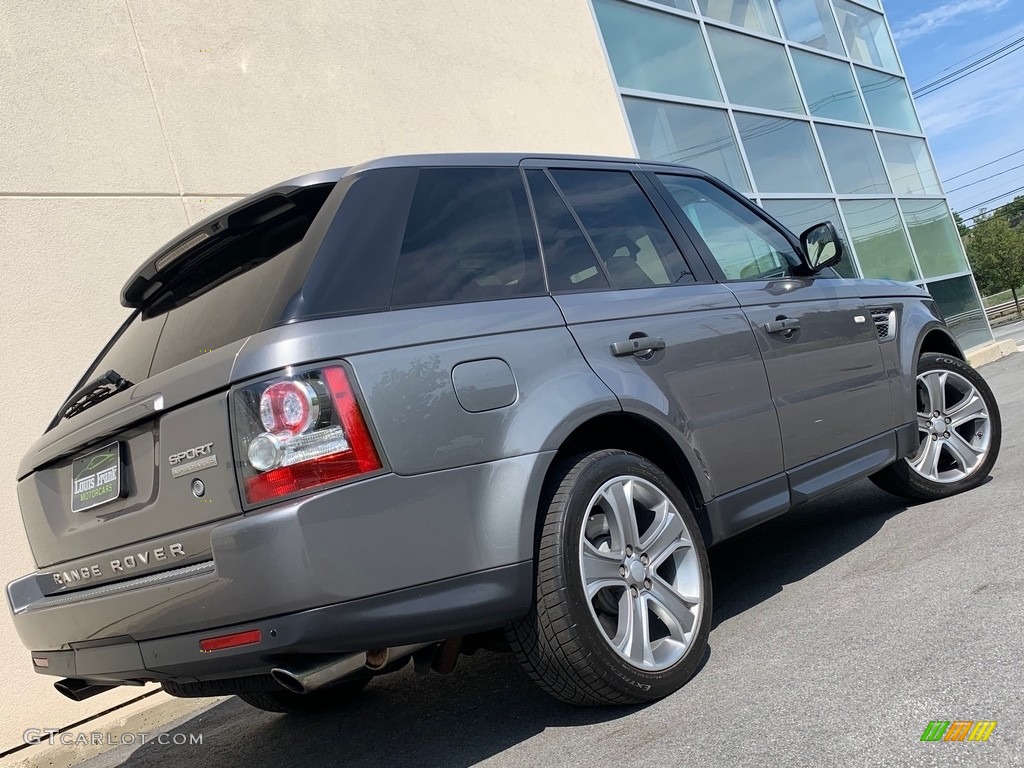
{"x": 470, "y": 406}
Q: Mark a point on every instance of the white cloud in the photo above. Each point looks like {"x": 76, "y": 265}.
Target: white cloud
{"x": 928, "y": 21}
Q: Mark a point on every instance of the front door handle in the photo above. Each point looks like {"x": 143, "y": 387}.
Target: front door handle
{"x": 783, "y": 325}
{"x": 638, "y": 346}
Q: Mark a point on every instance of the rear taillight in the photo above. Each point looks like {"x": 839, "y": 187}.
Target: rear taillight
{"x": 299, "y": 432}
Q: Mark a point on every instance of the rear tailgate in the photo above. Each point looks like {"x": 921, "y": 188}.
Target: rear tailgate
{"x": 106, "y": 492}
{"x": 156, "y": 419}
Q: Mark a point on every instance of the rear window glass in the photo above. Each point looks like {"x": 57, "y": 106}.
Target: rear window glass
{"x": 216, "y": 303}
{"x": 630, "y": 237}
{"x": 568, "y": 257}
{"x": 468, "y": 237}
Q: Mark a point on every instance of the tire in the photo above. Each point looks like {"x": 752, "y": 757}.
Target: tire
{"x": 952, "y": 389}
{"x": 338, "y": 695}
{"x": 566, "y": 641}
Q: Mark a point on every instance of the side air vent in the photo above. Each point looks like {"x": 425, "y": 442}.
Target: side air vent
{"x": 885, "y": 322}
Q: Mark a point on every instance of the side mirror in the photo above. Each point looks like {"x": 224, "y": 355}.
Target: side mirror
{"x": 822, "y": 246}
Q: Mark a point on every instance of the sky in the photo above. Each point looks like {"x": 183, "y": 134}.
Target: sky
{"x": 981, "y": 117}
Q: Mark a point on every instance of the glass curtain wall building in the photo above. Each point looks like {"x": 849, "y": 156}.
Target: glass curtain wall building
{"x": 802, "y": 105}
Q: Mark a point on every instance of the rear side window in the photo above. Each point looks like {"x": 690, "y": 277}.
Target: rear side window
{"x": 468, "y": 237}
{"x": 625, "y": 228}
{"x": 568, "y": 257}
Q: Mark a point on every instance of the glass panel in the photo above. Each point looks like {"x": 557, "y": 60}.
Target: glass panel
{"x": 782, "y": 154}
{"x": 752, "y": 14}
{"x": 469, "y": 237}
{"x": 755, "y": 72}
{"x": 865, "y": 34}
{"x": 800, "y": 215}
{"x": 829, "y": 87}
{"x": 960, "y": 305}
{"x": 654, "y": 51}
{"x": 888, "y": 100}
{"x": 879, "y": 239}
{"x": 570, "y": 262}
{"x": 683, "y": 5}
{"x": 873, "y": 3}
{"x": 810, "y": 22}
{"x": 910, "y": 168}
{"x": 745, "y": 246}
{"x": 936, "y": 241}
{"x": 853, "y": 160}
{"x": 696, "y": 136}
{"x": 630, "y": 237}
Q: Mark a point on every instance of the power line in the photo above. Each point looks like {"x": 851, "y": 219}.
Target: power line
{"x": 960, "y": 74}
{"x": 979, "y": 181}
{"x": 968, "y": 57}
{"x": 991, "y": 200}
{"x": 978, "y": 168}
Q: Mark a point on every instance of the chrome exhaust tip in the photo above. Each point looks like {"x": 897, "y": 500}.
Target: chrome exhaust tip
{"x": 80, "y": 690}
{"x": 309, "y": 677}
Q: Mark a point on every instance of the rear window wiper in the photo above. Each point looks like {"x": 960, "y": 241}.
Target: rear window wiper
{"x": 90, "y": 393}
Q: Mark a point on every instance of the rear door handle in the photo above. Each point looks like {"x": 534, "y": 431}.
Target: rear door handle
{"x": 784, "y": 325}
{"x": 637, "y": 346}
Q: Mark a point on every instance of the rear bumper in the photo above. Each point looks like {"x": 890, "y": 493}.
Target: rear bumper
{"x": 458, "y": 606}
{"x": 387, "y": 561}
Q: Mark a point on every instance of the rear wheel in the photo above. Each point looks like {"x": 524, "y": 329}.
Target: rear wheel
{"x": 959, "y": 432}
{"x": 338, "y": 695}
{"x": 623, "y": 594}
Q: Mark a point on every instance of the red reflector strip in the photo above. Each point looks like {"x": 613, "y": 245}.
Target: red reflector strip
{"x": 249, "y": 637}
{"x": 40, "y": 661}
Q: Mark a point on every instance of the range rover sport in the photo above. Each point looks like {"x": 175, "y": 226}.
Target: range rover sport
{"x": 430, "y": 404}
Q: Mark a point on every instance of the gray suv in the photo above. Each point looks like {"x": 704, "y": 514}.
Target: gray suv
{"x": 427, "y": 405}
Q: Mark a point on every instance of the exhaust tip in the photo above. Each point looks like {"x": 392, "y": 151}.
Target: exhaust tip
{"x": 80, "y": 690}
{"x": 287, "y": 680}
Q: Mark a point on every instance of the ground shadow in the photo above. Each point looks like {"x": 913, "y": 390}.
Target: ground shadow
{"x": 750, "y": 568}
{"x": 488, "y": 706}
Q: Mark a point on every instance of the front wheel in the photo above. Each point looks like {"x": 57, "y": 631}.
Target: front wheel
{"x": 623, "y": 591}
{"x": 959, "y": 429}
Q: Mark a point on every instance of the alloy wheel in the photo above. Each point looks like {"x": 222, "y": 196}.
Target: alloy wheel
{"x": 640, "y": 572}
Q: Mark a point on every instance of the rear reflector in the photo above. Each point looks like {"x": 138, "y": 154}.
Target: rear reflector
{"x": 249, "y": 637}
{"x": 40, "y": 661}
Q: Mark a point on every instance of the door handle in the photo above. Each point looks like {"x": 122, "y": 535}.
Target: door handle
{"x": 638, "y": 346}
{"x": 783, "y": 325}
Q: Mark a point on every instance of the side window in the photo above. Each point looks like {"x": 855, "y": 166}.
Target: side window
{"x": 568, "y": 257}
{"x": 469, "y": 237}
{"x": 629, "y": 235}
{"x": 745, "y": 246}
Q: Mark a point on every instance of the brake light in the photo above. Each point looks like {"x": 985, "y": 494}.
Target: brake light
{"x": 299, "y": 433}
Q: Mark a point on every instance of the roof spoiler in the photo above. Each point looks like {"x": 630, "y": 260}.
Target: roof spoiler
{"x": 249, "y": 212}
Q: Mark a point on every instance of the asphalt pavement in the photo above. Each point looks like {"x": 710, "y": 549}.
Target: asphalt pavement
{"x": 841, "y": 630}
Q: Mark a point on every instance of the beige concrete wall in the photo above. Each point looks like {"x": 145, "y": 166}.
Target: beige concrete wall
{"x": 120, "y": 122}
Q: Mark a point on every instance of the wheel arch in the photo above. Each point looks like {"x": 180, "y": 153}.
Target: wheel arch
{"x": 640, "y": 435}
{"x": 937, "y": 338}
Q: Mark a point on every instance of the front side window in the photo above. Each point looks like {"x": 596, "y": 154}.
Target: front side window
{"x": 630, "y": 238}
{"x": 469, "y": 237}
{"x": 745, "y": 246}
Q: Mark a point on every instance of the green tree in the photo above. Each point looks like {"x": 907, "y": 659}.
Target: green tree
{"x": 962, "y": 228}
{"x": 996, "y": 251}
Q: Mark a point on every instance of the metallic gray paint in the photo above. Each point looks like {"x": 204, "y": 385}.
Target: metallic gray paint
{"x": 314, "y": 552}
{"x": 470, "y": 404}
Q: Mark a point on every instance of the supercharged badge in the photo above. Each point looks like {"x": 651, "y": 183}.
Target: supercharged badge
{"x": 192, "y": 460}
